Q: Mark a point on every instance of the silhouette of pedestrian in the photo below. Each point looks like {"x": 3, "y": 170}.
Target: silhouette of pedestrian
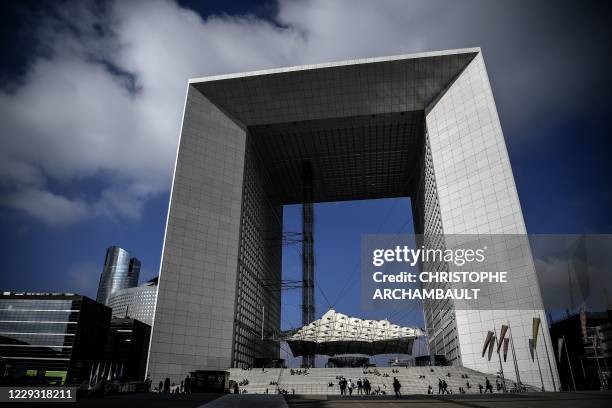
{"x": 488, "y": 386}
{"x": 396, "y": 387}
{"x": 188, "y": 385}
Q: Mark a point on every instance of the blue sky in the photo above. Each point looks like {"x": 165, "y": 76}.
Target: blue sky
{"x": 91, "y": 97}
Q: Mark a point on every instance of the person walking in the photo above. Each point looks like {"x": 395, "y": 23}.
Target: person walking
{"x": 480, "y": 387}
{"x": 188, "y": 385}
{"x": 160, "y": 388}
{"x": 351, "y": 385}
{"x": 444, "y": 387}
{"x": 236, "y": 389}
{"x": 488, "y": 386}
{"x": 167, "y": 385}
{"x": 367, "y": 386}
{"x": 359, "y": 387}
{"x": 439, "y": 386}
{"x": 396, "y": 387}
{"x": 342, "y": 385}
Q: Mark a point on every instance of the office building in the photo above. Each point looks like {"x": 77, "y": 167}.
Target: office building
{"x": 51, "y": 337}
{"x": 137, "y": 303}
{"x": 582, "y": 344}
{"x": 120, "y": 272}
{"x": 127, "y": 347}
{"x": 423, "y": 126}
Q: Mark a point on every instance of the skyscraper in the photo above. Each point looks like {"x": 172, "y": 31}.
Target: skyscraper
{"x": 120, "y": 271}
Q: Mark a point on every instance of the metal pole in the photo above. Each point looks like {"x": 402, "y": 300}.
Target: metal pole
{"x": 597, "y": 361}
{"x": 516, "y": 370}
{"x": 501, "y": 368}
{"x": 552, "y": 375}
{"x": 569, "y": 361}
{"x": 539, "y": 368}
{"x": 263, "y": 316}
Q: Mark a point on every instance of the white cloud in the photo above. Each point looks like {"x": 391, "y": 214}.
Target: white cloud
{"x": 46, "y": 206}
{"x": 104, "y": 97}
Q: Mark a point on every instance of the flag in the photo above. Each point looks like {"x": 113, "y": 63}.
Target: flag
{"x": 491, "y": 345}
{"x": 559, "y": 347}
{"x": 95, "y": 380}
{"x": 487, "y": 341}
{"x": 531, "y": 349}
{"x": 91, "y": 371}
{"x": 506, "y": 341}
{"x": 583, "y": 323}
{"x": 536, "y": 330}
{"x": 502, "y": 336}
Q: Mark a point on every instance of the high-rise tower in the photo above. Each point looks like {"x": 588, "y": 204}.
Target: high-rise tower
{"x": 120, "y": 272}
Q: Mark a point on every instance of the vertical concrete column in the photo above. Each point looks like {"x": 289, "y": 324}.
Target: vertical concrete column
{"x": 477, "y": 195}
{"x": 194, "y": 314}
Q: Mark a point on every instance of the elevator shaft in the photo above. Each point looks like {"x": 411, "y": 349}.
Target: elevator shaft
{"x": 308, "y": 303}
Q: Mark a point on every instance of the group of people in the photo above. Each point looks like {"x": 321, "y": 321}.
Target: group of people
{"x": 363, "y": 386}
{"x": 281, "y": 391}
{"x": 169, "y": 387}
{"x": 371, "y": 371}
{"x": 298, "y": 372}
{"x": 442, "y": 387}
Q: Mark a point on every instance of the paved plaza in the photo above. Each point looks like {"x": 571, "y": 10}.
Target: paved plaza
{"x": 584, "y": 399}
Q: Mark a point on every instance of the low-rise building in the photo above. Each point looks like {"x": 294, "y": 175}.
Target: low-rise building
{"x": 136, "y": 303}
{"x": 51, "y": 337}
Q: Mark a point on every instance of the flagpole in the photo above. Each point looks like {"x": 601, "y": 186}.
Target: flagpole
{"x": 552, "y": 374}
{"x": 516, "y": 370}
{"x": 501, "y": 368}
{"x": 569, "y": 362}
{"x": 539, "y": 368}
{"x": 91, "y": 372}
{"x": 597, "y": 360}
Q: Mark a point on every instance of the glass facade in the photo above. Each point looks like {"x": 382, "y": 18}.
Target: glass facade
{"x": 51, "y": 337}
{"x": 137, "y": 303}
{"x": 120, "y": 271}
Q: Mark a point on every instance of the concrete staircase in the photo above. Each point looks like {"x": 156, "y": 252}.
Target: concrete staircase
{"x": 316, "y": 382}
{"x": 258, "y": 380}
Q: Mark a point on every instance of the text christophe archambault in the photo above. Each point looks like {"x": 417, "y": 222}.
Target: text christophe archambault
{"x": 414, "y": 256}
